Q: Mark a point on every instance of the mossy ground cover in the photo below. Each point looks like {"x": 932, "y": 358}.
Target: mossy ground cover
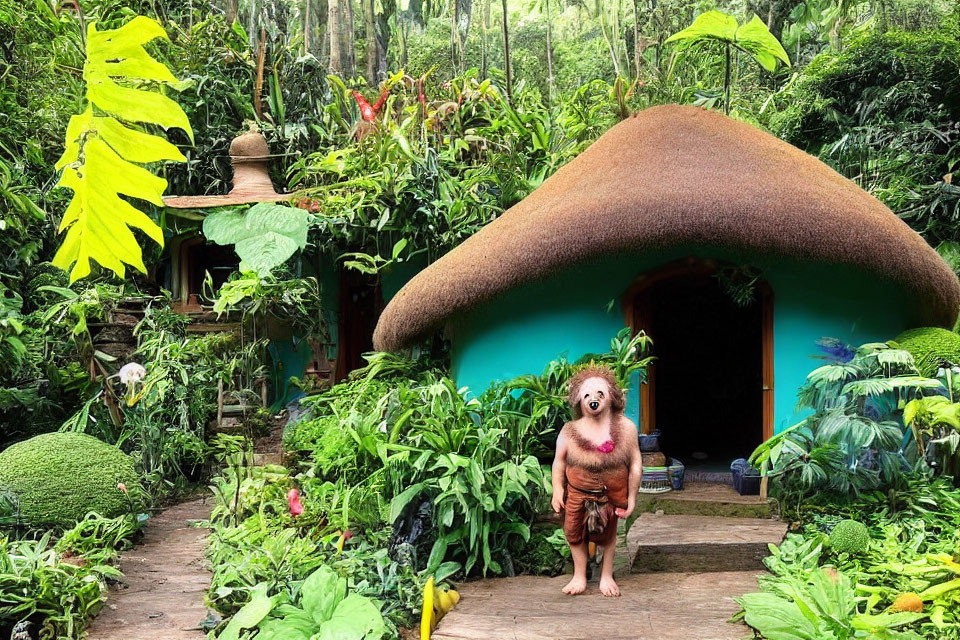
{"x": 57, "y": 478}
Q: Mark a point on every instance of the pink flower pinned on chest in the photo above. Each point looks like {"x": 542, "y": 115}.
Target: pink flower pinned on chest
{"x": 606, "y": 447}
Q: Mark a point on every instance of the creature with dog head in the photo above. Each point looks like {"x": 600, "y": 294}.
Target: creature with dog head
{"x": 596, "y": 473}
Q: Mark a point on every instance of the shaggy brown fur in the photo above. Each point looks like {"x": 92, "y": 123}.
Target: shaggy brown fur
{"x": 675, "y": 176}
{"x": 617, "y": 401}
{"x": 584, "y": 454}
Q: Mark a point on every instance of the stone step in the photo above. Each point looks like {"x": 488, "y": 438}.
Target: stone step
{"x": 261, "y": 459}
{"x": 701, "y": 543}
{"x": 705, "y": 499}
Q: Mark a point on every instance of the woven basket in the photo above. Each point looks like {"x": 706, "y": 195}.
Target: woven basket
{"x": 655, "y": 480}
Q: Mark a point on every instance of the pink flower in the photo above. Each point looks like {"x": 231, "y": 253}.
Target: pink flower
{"x": 123, "y": 487}
{"x": 293, "y": 499}
{"x": 606, "y": 447}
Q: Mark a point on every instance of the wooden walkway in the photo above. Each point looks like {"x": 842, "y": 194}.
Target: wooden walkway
{"x": 678, "y": 575}
{"x": 164, "y": 582}
{"x": 654, "y": 606}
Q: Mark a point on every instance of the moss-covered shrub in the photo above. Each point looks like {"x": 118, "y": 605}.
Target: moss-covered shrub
{"x": 849, "y": 536}
{"x": 59, "y": 477}
{"x": 930, "y": 346}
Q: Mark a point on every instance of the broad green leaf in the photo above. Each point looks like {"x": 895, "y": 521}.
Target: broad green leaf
{"x": 292, "y": 624}
{"x": 753, "y": 37}
{"x": 715, "y": 25}
{"x": 264, "y": 237}
{"x": 321, "y": 592}
{"x": 777, "y": 618}
{"x": 119, "y": 52}
{"x": 355, "y": 618}
{"x": 136, "y": 105}
{"x": 763, "y": 45}
{"x": 135, "y": 146}
{"x": 402, "y": 499}
{"x": 250, "y": 614}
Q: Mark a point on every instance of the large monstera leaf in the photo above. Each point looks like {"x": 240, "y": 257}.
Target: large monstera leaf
{"x": 264, "y": 237}
{"x": 103, "y": 151}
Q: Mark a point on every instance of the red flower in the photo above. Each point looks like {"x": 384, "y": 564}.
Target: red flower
{"x": 366, "y": 111}
{"x": 293, "y": 499}
{"x": 606, "y": 447}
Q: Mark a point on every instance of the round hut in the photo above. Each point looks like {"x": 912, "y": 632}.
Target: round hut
{"x": 732, "y": 249}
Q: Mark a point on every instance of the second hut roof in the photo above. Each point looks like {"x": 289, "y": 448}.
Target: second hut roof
{"x": 674, "y": 176}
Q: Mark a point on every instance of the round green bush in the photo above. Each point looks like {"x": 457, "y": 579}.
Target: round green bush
{"x": 929, "y": 346}
{"x": 849, "y": 536}
{"x": 60, "y": 477}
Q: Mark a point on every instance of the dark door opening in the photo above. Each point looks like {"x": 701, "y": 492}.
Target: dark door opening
{"x": 361, "y": 302}
{"x": 706, "y": 387}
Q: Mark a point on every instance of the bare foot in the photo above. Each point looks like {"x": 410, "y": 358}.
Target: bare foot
{"x": 575, "y": 586}
{"x": 609, "y": 588}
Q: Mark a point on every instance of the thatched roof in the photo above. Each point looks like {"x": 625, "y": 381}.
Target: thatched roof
{"x": 675, "y": 176}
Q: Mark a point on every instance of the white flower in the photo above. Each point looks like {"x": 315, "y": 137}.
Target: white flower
{"x": 132, "y": 372}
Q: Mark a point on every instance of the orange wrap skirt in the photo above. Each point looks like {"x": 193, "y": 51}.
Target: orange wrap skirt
{"x": 607, "y": 489}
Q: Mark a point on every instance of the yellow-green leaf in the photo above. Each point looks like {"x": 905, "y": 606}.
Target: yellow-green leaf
{"x": 715, "y": 25}
{"x": 135, "y": 146}
{"x": 135, "y": 105}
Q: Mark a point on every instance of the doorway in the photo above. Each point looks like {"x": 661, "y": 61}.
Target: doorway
{"x": 710, "y": 390}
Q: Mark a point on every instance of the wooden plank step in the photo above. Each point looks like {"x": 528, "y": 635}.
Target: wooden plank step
{"x": 665, "y": 606}
{"x": 705, "y": 499}
{"x": 701, "y": 543}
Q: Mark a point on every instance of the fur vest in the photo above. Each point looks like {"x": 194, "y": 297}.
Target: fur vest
{"x": 583, "y": 453}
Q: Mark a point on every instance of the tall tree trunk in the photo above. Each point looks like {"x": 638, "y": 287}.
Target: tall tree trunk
{"x": 382, "y": 28}
{"x": 307, "y": 27}
{"x": 348, "y": 36}
{"x": 506, "y": 53}
{"x": 340, "y": 25}
{"x": 231, "y": 11}
{"x": 550, "y": 84}
{"x": 484, "y": 27}
{"x": 370, "y": 31}
{"x": 637, "y": 46}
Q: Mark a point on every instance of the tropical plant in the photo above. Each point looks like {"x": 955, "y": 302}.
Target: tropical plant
{"x": 854, "y": 441}
{"x": 321, "y": 609}
{"x": 102, "y": 154}
{"x": 934, "y": 422}
{"x": 753, "y": 38}
{"x": 822, "y": 604}
{"x": 264, "y": 236}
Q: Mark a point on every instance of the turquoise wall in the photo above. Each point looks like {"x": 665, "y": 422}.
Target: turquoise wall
{"x": 579, "y": 310}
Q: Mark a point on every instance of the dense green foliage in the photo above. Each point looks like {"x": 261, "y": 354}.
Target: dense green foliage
{"x": 931, "y": 347}
{"x": 57, "y": 588}
{"x": 855, "y": 439}
{"x": 820, "y": 591}
{"x": 884, "y": 112}
{"x": 429, "y": 482}
{"x": 57, "y": 478}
